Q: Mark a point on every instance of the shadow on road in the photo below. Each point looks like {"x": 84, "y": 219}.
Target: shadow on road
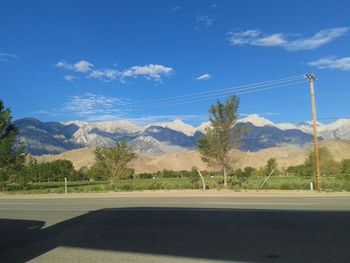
{"x": 219, "y": 234}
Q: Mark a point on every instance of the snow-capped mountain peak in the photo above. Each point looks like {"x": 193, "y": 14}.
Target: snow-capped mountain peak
{"x": 286, "y": 126}
{"x": 76, "y": 123}
{"x": 203, "y": 126}
{"x": 117, "y": 126}
{"x": 256, "y": 120}
{"x": 177, "y": 125}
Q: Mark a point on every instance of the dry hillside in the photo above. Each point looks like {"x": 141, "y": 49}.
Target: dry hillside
{"x": 185, "y": 160}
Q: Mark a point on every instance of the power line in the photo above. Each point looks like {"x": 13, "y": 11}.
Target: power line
{"x": 236, "y": 88}
{"x": 333, "y": 118}
{"x": 290, "y": 99}
{"x": 210, "y": 97}
{"x": 333, "y": 94}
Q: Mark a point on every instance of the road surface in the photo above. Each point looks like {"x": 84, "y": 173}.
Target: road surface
{"x": 177, "y": 228}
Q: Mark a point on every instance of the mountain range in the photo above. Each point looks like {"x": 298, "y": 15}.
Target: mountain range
{"x": 155, "y": 139}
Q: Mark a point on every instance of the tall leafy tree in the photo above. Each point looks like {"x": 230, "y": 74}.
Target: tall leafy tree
{"x": 345, "y": 164}
{"x": 220, "y": 138}
{"x": 328, "y": 165}
{"x": 10, "y": 159}
{"x": 271, "y": 165}
{"x": 114, "y": 161}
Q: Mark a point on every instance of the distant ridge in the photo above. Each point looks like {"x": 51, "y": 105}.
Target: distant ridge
{"x": 166, "y": 137}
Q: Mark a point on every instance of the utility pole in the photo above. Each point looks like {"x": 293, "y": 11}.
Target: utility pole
{"x": 311, "y": 79}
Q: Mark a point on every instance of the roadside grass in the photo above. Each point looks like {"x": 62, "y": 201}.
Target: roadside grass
{"x": 141, "y": 184}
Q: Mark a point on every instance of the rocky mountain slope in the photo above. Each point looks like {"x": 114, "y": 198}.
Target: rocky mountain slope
{"x": 165, "y": 138}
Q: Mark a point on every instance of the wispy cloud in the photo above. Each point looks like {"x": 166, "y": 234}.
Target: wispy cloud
{"x": 205, "y": 20}
{"x": 70, "y": 78}
{"x": 332, "y": 63}
{"x": 204, "y": 77}
{"x": 177, "y": 8}
{"x": 64, "y": 65}
{"x": 290, "y": 42}
{"x": 152, "y": 71}
{"x": 91, "y": 107}
{"x": 6, "y": 56}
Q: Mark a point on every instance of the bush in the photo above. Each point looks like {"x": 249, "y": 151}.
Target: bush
{"x": 146, "y": 176}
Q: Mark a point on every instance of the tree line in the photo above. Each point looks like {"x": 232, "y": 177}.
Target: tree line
{"x": 114, "y": 163}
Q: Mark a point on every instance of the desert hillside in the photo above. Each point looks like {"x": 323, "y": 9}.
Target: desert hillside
{"x": 185, "y": 160}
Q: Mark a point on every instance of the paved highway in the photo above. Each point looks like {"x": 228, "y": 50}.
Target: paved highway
{"x": 178, "y": 228}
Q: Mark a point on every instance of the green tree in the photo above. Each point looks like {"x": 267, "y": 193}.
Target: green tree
{"x": 271, "y": 165}
{"x": 48, "y": 171}
{"x": 220, "y": 137}
{"x": 345, "y": 171}
{"x": 82, "y": 173}
{"x": 97, "y": 172}
{"x": 328, "y": 166}
{"x": 11, "y": 159}
{"x": 114, "y": 161}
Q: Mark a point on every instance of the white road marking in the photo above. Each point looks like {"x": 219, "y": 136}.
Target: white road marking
{"x": 47, "y": 209}
{"x": 257, "y": 203}
{"x": 33, "y": 227}
{"x": 17, "y": 203}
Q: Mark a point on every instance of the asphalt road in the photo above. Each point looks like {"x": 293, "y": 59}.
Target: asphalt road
{"x": 176, "y": 229}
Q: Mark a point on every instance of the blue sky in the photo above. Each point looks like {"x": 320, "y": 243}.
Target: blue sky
{"x": 160, "y": 60}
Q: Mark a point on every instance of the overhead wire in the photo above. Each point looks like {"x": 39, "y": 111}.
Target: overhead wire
{"x": 243, "y": 87}
{"x": 208, "y": 97}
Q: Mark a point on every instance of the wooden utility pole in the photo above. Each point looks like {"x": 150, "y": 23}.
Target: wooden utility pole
{"x": 314, "y": 123}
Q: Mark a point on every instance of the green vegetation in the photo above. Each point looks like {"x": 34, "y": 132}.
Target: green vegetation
{"x": 219, "y": 139}
{"x": 113, "y": 162}
{"x": 271, "y": 166}
{"x": 194, "y": 177}
{"x": 112, "y": 172}
{"x": 328, "y": 166}
{"x": 177, "y": 183}
{"x": 11, "y": 156}
{"x": 49, "y": 171}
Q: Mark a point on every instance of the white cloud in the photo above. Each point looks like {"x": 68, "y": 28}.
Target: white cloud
{"x": 332, "y": 63}
{"x": 109, "y": 74}
{"x": 205, "y": 20}
{"x": 82, "y": 66}
{"x": 152, "y": 71}
{"x": 287, "y": 41}
{"x": 70, "y": 78}
{"x": 270, "y": 41}
{"x": 204, "y": 77}
{"x": 64, "y": 65}
{"x": 6, "y": 56}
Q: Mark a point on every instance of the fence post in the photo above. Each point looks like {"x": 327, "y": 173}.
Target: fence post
{"x": 65, "y": 185}
{"x": 200, "y": 174}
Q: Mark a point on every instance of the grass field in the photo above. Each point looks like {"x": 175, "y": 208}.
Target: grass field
{"x": 253, "y": 183}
